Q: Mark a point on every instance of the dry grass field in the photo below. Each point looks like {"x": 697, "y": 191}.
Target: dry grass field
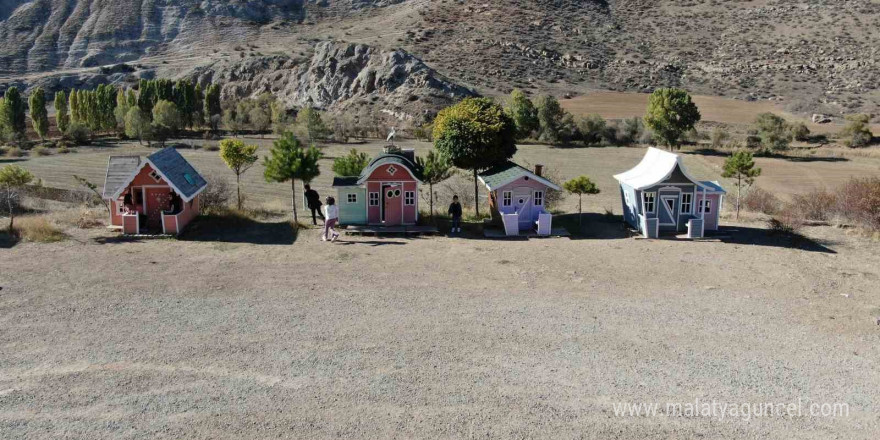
{"x": 259, "y": 333}
{"x": 252, "y": 330}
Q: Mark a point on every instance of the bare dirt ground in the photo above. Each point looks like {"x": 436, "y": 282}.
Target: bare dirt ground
{"x": 267, "y": 334}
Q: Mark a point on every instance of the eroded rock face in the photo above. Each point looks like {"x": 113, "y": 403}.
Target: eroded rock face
{"x": 340, "y": 76}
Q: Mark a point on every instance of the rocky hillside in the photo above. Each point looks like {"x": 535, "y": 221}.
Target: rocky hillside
{"x": 811, "y": 55}
{"x": 340, "y": 76}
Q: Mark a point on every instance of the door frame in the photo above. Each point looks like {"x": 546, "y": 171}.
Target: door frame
{"x": 672, "y": 215}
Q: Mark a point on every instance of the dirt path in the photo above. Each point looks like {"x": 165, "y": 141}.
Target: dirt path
{"x": 434, "y": 337}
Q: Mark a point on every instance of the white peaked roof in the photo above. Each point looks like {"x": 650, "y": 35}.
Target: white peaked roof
{"x": 655, "y": 167}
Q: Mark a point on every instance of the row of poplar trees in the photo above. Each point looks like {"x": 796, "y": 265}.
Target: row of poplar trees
{"x": 106, "y": 107}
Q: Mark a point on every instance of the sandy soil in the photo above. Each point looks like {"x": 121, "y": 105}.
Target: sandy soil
{"x": 266, "y": 334}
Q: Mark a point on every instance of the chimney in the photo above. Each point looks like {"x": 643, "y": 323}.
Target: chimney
{"x": 539, "y": 169}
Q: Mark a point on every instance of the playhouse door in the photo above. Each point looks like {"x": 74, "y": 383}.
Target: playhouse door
{"x": 522, "y": 202}
{"x": 393, "y": 204}
{"x": 157, "y": 201}
{"x": 669, "y": 211}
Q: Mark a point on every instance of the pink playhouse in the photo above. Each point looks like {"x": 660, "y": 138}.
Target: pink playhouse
{"x": 385, "y": 194}
{"x": 158, "y": 194}
{"x": 517, "y": 196}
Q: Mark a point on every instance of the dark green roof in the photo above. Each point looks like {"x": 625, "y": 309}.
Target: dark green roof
{"x": 507, "y": 172}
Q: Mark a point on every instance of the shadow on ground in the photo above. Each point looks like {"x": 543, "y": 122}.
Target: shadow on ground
{"x": 7, "y": 241}
{"x": 712, "y": 152}
{"x": 765, "y": 237}
{"x": 237, "y": 229}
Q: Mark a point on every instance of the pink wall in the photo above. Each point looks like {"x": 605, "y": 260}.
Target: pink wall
{"x": 712, "y": 216}
{"x": 410, "y": 213}
{"x": 373, "y": 212}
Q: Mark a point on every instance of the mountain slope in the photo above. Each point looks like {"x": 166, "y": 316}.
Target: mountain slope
{"x": 816, "y": 54}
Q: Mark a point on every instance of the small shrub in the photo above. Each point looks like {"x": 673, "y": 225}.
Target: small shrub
{"x": 38, "y": 229}
{"x": 64, "y": 150}
{"x": 78, "y": 133}
{"x": 42, "y": 151}
{"x": 760, "y": 200}
{"x": 859, "y": 202}
{"x": 15, "y": 152}
{"x": 799, "y": 131}
{"x": 787, "y": 222}
{"x": 719, "y": 137}
{"x": 856, "y": 132}
{"x": 818, "y": 205}
{"x": 211, "y": 147}
{"x": 216, "y": 196}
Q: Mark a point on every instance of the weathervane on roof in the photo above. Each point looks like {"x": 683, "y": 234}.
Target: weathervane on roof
{"x": 391, "y": 136}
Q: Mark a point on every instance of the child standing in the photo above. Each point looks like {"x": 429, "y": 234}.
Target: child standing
{"x": 331, "y": 217}
{"x": 455, "y": 212}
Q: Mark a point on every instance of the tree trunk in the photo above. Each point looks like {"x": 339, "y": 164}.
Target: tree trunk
{"x": 738, "y": 192}
{"x": 476, "y": 195}
{"x": 431, "y": 195}
{"x": 9, "y": 204}
{"x": 238, "y": 189}
{"x": 580, "y": 212}
{"x": 293, "y": 199}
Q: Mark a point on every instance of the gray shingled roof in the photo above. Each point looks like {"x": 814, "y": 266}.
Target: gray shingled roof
{"x": 178, "y": 171}
{"x": 507, "y": 172}
{"x": 119, "y": 172}
{"x": 713, "y": 186}
{"x": 345, "y": 181}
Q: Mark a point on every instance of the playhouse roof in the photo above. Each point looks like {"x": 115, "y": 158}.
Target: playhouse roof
{"x": 119, "y": 171}
{"x": 508, "y": 172}
{"x": 345, "y": 181}
{"x": 655, "y": 167}
{"x": 389, "y": 158}
{"x": 170, "y": 165}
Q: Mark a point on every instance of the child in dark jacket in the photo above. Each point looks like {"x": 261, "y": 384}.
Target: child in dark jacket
{"x": 455, "y": 212}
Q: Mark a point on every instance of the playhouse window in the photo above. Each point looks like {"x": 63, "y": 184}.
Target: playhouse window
{"x": 539, "y": 198}
{"x": 391, "y": 170}
{"x": 706, "y": 206}
{"x": 409, "y": 198}
{"x": 626, "y": 197}
{"x": 507, "y": 198}
{"x": 686, "y": 203}
{"x": 155, "y": 175}
{"x": 352, "y": 198}
{"x": 649, "y": 202}
{"x": 374, "y": 199}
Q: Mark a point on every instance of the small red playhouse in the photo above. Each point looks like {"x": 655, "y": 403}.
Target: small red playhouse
{"x": 158, "y": 194}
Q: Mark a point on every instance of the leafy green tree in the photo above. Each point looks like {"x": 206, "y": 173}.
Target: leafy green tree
{"x": 260, "y": 119}
{"x": 12, "y": 179}
{"x": 435, "y": 169}
{"x": 311, "y": 122}
{"x": 15, "y": 111}
{"x": 351, "y": 164}
{"x": 591, "y": 129}
{"x": 105, "y": 106}
{"x": 137, "y": 125}
{"x": 166, "y": 119}
{"x": 773, "y": 131}
{"x": 239, "y": 158}
{"x": 856, "y": 132}
{"x": 73, "y": 103}
{"x": 799, "y": 131}
{"x": 289, "y": 161}
{"x": 212, "y": 102}
{"x": 199, "y": 111}
{"x": 741, "y": 166}
{"x": 524, "y": 114}
{"x": 122, "y": 109}
{"x": 554, "y": 122}
{"x": 39, "y": 115}
{"x": 474, "y": 135}
{"x": 580, "y": 186}
{"x": 5, "y": 128}
{"x": 670, "y": 114}
{"x": 62, "y": 117}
